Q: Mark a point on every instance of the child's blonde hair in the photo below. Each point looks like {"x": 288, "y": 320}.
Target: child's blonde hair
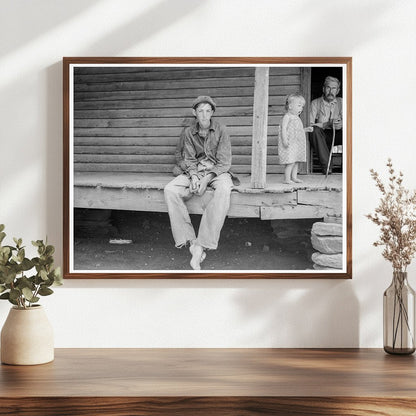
{"x": 292, "y": 97}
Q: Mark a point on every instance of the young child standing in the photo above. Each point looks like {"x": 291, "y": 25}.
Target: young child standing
{"x": 292, "y": 140}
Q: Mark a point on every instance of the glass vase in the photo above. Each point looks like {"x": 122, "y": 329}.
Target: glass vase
{"x": 399, "y": 316}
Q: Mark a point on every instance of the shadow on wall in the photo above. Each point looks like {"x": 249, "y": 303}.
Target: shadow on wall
{"x": 287, "y": 313}
{"x": 157, "y": 18}
{"x": 45, "y": 16}
{"x": 348, "y": 26}
{"x": 301, "y": 314}
{"x": 140, "y": 27}
{"x": 39, "y": 15}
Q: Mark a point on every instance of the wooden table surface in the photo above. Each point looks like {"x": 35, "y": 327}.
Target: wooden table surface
{"x": 212, "y": 382}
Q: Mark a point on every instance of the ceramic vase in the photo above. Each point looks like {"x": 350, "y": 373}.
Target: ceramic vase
{"x": 27, "y": 337}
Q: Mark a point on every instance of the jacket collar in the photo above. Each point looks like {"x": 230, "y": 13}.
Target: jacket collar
{"x": 195, "y": 126}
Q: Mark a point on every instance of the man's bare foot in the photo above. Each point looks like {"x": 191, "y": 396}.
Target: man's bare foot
{"x": 287, "y": 181}
{"x": 198, "y": 256}
{"x": 297, "y": 180}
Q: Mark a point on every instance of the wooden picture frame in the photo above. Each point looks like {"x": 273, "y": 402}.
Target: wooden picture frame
{"x": 117, "y": 110}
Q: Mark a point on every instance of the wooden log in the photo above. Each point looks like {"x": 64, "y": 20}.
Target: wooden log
{"x": 175, "y": 94}
{"x": 222, "y": 102}
{"x": 159, "y": 72}
{"x": 128, "y": 159}
{"x": 145, "y": 158}
{"x": 165, "y": 122}
{"x": 147, "y": 85}
{"x": 126, "y": 150}
{"x": 149, "y": 131}
{"x": 156, "y": 141}
{"x": 125, "y": 141}
{"x": 283, "y": 70}
{"x": 260, "y": 114}
{"x": 123, "y": 167}
{"x": 152, "y": 150}
{"x": 155, "y": 168}
{"x": 167, "y": 112}
{"x": 110, "y": 74}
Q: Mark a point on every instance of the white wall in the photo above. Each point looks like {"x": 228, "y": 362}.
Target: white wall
{"x": 380, "y": 36}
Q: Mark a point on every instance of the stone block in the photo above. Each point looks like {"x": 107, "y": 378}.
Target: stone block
{"x": 328, "y": 260}
{"x": 324, "y": 228}
{"x": 327, "y": 244}
{"x": 318, "y": 267}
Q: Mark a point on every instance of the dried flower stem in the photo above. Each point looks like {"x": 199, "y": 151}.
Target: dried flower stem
{"x": 396, "y": 216}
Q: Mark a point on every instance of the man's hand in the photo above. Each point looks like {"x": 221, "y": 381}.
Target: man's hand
{"x": 203, "y": 184}
{"x": 336, "y": 122}
{"x": 308, "y": 129}
{"x": 194, "y": 185}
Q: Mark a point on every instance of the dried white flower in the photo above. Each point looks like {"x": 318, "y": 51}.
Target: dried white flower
{"x": 396, "y": 216}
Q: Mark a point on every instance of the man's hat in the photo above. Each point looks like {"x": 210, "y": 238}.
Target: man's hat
{"x": 204, "y": 99}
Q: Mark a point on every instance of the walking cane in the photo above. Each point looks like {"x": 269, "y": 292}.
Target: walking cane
{"x": 332, "y": 150}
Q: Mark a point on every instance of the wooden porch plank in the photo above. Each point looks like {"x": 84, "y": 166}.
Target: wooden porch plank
{"x": 294, "y": 212}
{"x": 159, "y": 180}
{"x": 152, "y": 200}
{"x": 326, "y": 199}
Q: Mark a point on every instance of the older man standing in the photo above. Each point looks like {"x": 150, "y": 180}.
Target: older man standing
{"x": 326, "y": 117}
{"x": 207, "y": 157}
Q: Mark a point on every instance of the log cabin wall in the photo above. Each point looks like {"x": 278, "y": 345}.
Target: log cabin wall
{"x": 128, "y": 119}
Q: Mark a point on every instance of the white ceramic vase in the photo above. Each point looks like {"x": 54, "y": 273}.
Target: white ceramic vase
{"x": 27, "y": 337}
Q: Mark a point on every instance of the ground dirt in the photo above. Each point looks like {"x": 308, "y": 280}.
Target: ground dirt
{"x": 245, "y": 243}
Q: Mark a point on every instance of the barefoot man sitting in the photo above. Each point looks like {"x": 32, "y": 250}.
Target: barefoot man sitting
{"x": 207, "y": 157}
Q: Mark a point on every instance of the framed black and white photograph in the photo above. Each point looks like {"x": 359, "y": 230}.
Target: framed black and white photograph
{"x": 207, "y": 167}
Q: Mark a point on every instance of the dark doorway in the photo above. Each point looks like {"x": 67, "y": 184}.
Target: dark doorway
{"x": 318, "y": 76}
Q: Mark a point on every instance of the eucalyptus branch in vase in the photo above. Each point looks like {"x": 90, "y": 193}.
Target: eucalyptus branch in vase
{"x": 23, "y": 280}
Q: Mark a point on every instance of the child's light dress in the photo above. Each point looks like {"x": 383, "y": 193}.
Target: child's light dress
{"x": 296, "y": 151}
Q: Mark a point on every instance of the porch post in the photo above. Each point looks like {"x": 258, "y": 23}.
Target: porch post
{"x": 260, "y": 114}
{"x": 305, "y": 90}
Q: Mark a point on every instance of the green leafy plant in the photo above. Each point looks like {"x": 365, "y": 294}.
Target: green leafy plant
{"x": 24, "y": 280}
